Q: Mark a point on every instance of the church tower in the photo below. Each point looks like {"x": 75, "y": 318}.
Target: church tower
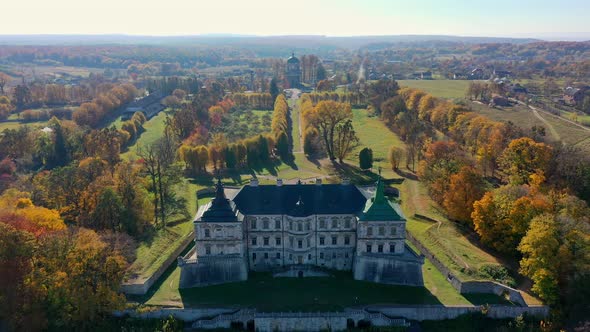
{"x": 293, "y": 72}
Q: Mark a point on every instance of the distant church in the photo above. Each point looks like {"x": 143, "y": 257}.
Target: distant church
{"x": 300, "y": 230}
{"x": 293, "y": 72}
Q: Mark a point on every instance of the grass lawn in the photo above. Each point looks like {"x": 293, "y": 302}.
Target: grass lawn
{"x": 155, "y": 249}
{"x": 266, "y": 293}
{"x": 374, "y": 134}
{"x": 153, "y": 129}
{"x": 450, "y": 89}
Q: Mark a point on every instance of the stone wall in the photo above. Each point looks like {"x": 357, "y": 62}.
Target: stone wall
{"x": 390, "y": 315}
{"x": 388, "y": 270}
{"x": 212, "y": 270}
{"x": 440, "y": 312}
{"x": 140, "y": 286}
{"x": 467, "y": 287}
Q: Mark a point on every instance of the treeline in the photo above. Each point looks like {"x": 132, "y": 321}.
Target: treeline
{"x": 92, "y": 113}
{"x": 44, "y": 115}
{"x": 280, "y": 128}
{"x": 356, "y": 99}
{"x": 259, "y": 101}
{"x": 253, "y": 152}
{"x": 531, "y": 215}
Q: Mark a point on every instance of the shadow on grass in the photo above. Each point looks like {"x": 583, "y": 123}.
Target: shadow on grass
{"x": 269, "y": 294}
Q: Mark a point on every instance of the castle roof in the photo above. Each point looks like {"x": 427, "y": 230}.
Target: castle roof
{"x": 220, "y": 209}
{"x": 378, "y": 208}
{"x": 300, "y": 200}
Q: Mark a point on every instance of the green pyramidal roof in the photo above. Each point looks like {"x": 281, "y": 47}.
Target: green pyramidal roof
{"x": 379, "y": 208}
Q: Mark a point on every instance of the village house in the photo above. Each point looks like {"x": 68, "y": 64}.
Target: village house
{"x": 149, "y": 105}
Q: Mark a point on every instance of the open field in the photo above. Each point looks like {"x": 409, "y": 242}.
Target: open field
{"x": 153, "y": 129}
{"x": 266, "y": 293}
{"x": 439, "y": 88}
{"x": 557, "y": 128}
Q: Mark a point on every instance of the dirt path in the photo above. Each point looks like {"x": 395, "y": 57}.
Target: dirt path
{"x": 295, "y": 93}
{"x": 549, "y": 125}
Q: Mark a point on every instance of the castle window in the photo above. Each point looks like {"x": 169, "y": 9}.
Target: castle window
{"x": 290, "y": 257}
{"x": 392, "y": 247}
{"x": 253, "y": 223}
{"x": 321, "y": 255}
{"x": 278, "y": 255}
{"x": 207, "y": 250}
{"x": 309, "y": 257}
{"x": 290, "y": 225}
{"x": 381, "y": 230}
{"x": 380, "y": 248}
{"x": 299, "y": 244}
{"x": 334, "y": 223}
{"x": 278, "y": 241}
{"x": 254, "y": 241}
{"x": 393, "y": 230}
{"x": 346, "y": 255}
{"x": 299, "y": 227}
{"x": 347, "y": 240}
{"x": 265, "y": 224}
{"x": 334, "y": 255}
{"x": 347, "y": 223}
{"x": 307, "y": 226}
{"x": 266, "y": 241}
{"x": 291, "y": 242}
{"x": 265, "y": 255}
{"x": 321, "y": 241}
{"x": 369, "y": 231}
{"x": 369, "y": 248}
{"x": 334, "y": 240}
{"x": 307, "y": 242}
{"x": 277, "y": 224}
{"x": 322, "y": 223}
{"x": 254, "y": 257}
{"x": 207, "y": 233}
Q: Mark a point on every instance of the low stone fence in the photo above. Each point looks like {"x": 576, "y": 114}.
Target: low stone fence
{"x": 140, "y": 286}
{"x": 441, "y": 312}
{"x": 468, "y": 287}
{"x": 382, "y": 315}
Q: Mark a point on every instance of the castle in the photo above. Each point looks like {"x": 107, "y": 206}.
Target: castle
{"x": 300, "y": 230}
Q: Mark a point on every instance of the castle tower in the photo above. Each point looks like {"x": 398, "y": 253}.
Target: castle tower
{"x": 220, "y": 254}
{"x": 381, "y": 253}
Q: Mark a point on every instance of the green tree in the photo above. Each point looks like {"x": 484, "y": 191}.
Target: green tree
{"x": 109, "y": 212}
{"x": 366, "y": 158}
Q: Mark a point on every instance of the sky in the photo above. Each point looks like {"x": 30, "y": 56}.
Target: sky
{"x": 494, "y": 18}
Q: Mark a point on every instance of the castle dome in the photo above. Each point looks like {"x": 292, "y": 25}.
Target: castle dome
{"x": 292, "y": 59}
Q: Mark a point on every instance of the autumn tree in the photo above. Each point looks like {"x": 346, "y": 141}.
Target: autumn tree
{"x": 524, "y": 157}
{"x": 395, "y": 157}
{"x": 441, "y": 161}
{"x": 4, "y": 79}
{"x": 466, "y": 187}
{"x": 325, "y": 118}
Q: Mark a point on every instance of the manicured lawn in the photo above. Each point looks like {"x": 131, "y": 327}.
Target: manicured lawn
{"x": 266, "y": 293}
{"x": 439, "y": 88}
{"x": 374, "y": 134}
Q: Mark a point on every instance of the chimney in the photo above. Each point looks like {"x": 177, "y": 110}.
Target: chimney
{"x": 318, "y": 182}
{"x": 279, "y": 182}
{"x": 253, "y": 182}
